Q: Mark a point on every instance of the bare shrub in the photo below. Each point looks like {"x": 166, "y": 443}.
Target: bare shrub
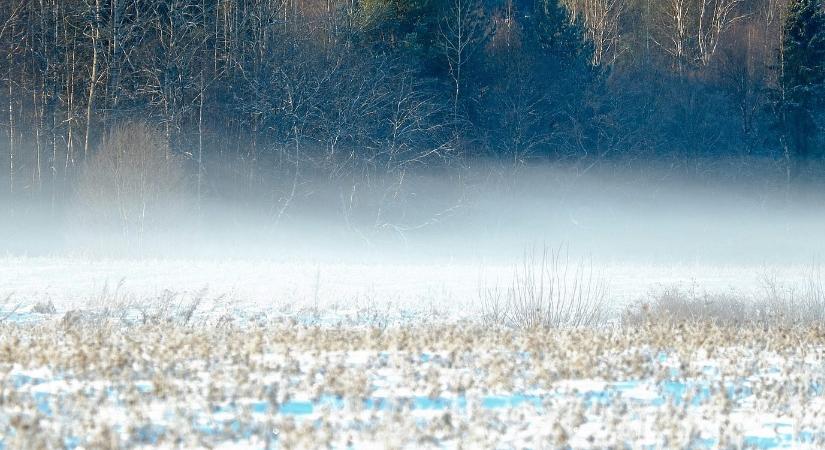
{"x": 689, "y": 306}
{"x": 802, "y": 303}
{"x": 130, "y": 185}
{"x": 775, "y": 305}
{"x": 547, "y": 291}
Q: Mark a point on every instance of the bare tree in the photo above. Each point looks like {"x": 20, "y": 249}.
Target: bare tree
{"x": 417, "y": 129}
{"x": 603, "y": 26}
{"x": 691, "y": 31}
{"x": 171, "y": 79}
{"x": 13, "y": 35}
{"x": 715, "y": 18}
{"x": 93, "y": 33}
{"x": 770, "y": 14}
{"x": 675, "y": 32}
{"x": 460, "y": 30}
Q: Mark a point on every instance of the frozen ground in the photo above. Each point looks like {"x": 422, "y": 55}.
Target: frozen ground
{"x": 90, "y": 380}
{"x": 88, "y": 385}
{"x": 446, "y": 289}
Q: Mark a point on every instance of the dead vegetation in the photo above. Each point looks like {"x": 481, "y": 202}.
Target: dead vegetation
{"x": 106, "y": 385}
{"x": 547, "y": 290}
{"x": 127, "y": 371}
{"x": 132, "y": 185}
{"x": 773, "y": 305}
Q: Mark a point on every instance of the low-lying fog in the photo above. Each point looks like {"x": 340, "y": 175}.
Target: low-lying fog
{"x": 433, "y": 240}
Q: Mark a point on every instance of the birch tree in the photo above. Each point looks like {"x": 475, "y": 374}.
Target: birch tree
{"x": 715, "y": 18}
{"x": 460, "y": 30}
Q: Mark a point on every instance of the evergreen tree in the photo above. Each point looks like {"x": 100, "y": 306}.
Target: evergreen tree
{"x": 540, "y": 77}
{"x": 407, "y": 25}
{"x": 555, "y": 35}
{"x": 561, "y": 57}
{"x": 801, "y": 79}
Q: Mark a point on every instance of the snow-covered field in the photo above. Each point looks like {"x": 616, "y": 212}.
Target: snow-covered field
{"x": 448, "y": 289}
{"x": 394, "y": 356}
{"x": 78, "y": 384}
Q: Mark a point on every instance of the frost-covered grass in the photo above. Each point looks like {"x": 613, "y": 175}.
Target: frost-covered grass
{"x": 775, "y": 304}
{"x": 102, "y": 383}
{"x": 345, "y": 288}
{"x": 282, "y": 355}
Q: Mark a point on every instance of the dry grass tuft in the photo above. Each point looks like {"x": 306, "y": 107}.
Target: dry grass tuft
{"x": 44, "y": 307}
{"x": 8, "y": 307}
{"x": 117, "y": 305}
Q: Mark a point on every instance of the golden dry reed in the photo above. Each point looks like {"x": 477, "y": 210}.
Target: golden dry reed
{"x": 103, "y": 384}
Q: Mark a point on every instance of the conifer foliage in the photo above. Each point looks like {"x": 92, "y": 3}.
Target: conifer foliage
{"x": 802, "y": 77}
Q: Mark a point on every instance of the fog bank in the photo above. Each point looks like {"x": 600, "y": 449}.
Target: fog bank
{"x": 478, "y": 215}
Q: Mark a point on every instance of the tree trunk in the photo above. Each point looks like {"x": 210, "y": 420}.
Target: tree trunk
{"x": 92, "y": 79}
{"x": 12, "y": 131}
{"x": 200, "y": 140}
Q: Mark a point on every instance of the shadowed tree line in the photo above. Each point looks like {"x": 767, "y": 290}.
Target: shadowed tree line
{"x": 263, "y": 95}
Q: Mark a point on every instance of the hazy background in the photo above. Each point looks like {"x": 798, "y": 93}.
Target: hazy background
{"x": 429, "y": 250}
{"x": 486, "y": 214}
{"x": 419, "y": 134}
